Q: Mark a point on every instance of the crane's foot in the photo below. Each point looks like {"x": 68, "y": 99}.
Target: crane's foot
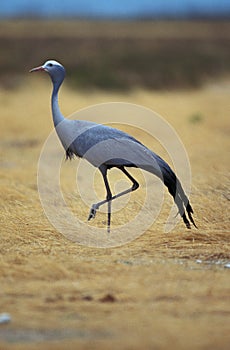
{"x": 93, "y": 211}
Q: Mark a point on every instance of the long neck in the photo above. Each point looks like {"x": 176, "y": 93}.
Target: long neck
{"x": 57, "y": 116}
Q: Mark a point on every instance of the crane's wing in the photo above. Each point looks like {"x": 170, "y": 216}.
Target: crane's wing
{"x": 101, "y": 144}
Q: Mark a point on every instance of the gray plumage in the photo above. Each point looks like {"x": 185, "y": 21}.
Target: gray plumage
{"x": 106, "y": 147}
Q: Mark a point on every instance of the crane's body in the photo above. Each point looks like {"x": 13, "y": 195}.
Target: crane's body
{"x": 106, "y": 147}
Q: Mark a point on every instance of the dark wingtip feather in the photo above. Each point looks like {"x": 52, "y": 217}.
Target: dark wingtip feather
{"x": 190, "y": 212}
{"x": 187, "y": 223}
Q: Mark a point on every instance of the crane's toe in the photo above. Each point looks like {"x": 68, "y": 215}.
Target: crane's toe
{"x": 92, "y": 212}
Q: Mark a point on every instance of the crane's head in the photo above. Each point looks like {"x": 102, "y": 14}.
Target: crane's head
{"x": 55, "y": 70}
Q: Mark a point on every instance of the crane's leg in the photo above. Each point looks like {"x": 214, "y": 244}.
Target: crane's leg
{"x": 109, "y": 197}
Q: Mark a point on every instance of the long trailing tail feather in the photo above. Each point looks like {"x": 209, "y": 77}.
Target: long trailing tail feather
{"x": 186, "y": 204}
{"x": 175, "y": 189}
{"x": 190, "y": 212}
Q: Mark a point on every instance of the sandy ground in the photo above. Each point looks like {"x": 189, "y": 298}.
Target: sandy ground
{"x": 160, "y": 291}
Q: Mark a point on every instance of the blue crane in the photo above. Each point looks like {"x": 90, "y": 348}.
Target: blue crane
{"x": 106, "y": 147}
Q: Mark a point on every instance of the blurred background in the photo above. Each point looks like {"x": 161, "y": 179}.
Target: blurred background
{"x": 118, "y": 44}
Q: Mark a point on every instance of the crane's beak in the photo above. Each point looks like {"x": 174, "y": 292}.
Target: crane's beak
{"x": 37, "y": 69}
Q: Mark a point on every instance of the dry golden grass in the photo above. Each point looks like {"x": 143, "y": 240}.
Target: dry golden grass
{"x": 147, "y": 294}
